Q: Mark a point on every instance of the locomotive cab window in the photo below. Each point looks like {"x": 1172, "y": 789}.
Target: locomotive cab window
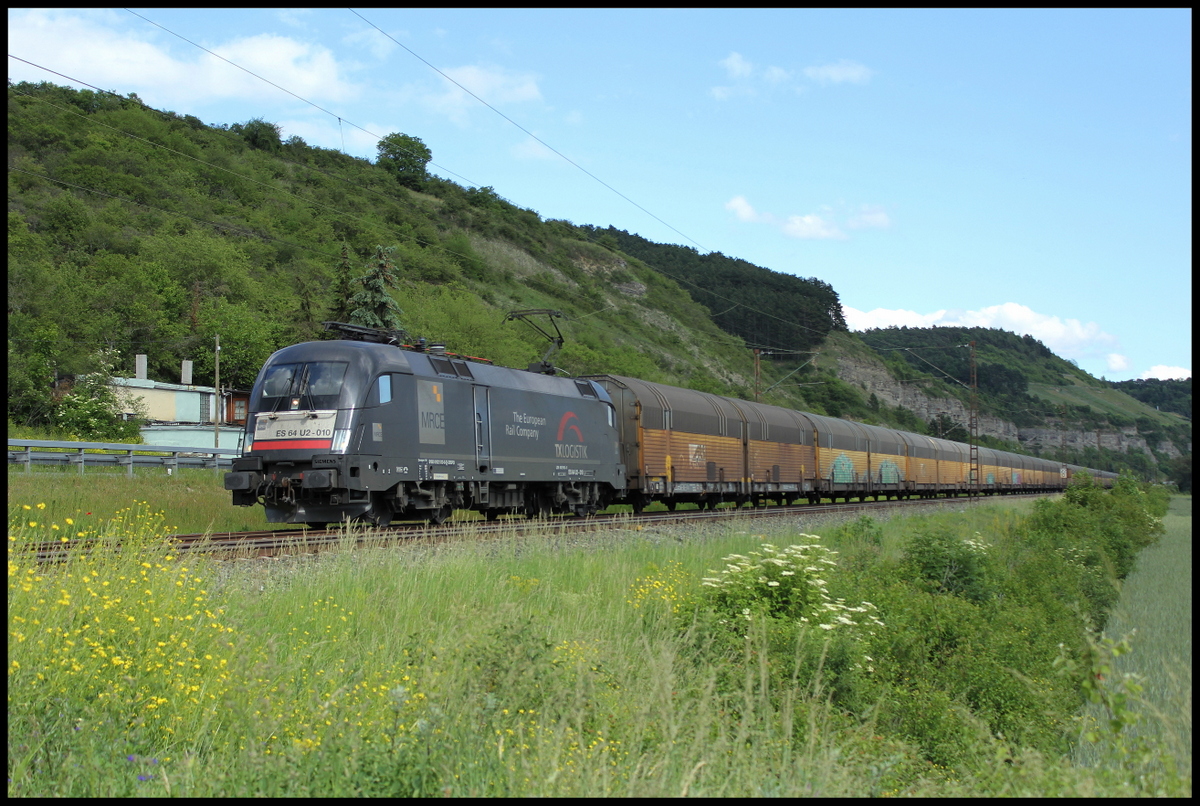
{"x": 381, "y": 391}
{"x": 310, "y": 385}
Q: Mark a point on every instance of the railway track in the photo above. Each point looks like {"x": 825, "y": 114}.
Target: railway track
{"x": 275, "y": 542}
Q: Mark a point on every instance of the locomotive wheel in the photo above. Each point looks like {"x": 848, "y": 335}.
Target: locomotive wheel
{"x": 536, "y": 506}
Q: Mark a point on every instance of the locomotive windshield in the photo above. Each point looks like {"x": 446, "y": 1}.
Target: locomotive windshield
{"x": 309, "y": 385}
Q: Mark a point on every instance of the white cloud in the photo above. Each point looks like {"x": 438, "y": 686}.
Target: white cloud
{"x": 1167, "y": 373}
{"x": 495, "y": 85}
{"x": 294, "y": 16}
{"x": 1068, "y": 338}
{"x": 882, "y": 317}
{"x": 1117, "y": 362}
{"x": 742, "y": 209}
{"x": 725, "y": 93}
{"x": 844, "y": 71}
{"x": 310, "y": 71}
{"x": 736, "y": 66}
{"x": 80, "y": 44}
{"x": 371, "y": 40}
{"x": 776, "y": 75}
{"x": 745, "y": 78}
{"x": 530, "y": 149}
{"x": 83, "y": 43}
{"x": 811, "y": 227}
{"x": 870, "y": 216}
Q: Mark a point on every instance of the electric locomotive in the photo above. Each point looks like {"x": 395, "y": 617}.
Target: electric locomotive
{"x": 365, "y": 428}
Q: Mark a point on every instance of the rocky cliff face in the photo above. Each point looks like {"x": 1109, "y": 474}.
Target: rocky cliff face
{"x": 874, "y": 378}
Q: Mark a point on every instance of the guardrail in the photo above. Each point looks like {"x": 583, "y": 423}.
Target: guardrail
{"x": 117, "y": 454}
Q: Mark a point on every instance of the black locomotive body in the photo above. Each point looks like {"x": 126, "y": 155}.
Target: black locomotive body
{"x": 369, "y": 431}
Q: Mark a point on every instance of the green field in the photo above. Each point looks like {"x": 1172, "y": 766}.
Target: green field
{"x": 926, "y": 655}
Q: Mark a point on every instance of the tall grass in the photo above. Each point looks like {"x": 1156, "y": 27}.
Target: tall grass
{"x": 537, "y": 665}
{"x": 195, "y": 499}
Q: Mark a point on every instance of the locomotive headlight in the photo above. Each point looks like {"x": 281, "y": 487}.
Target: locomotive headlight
{"x": 341, "y": 438}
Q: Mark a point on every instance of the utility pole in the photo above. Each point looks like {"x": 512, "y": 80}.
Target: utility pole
{"x": 217, "y": 395}
{"x": 974, "y": 425}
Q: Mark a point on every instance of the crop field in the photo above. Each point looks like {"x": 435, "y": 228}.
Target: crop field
{"x": 935, "y": 655}
{"x": 1156, "y": 610}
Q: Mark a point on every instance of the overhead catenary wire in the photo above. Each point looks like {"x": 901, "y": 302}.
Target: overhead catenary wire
{"x": 581, "y": 168}
{"x": 729, "y": 342}
{"x": 340, "y": 119}
{"x": 526, "y": 131}
{"x": 209, "y": 128}
{"x": 498, "y": 112}
{"x": 283, "y": 89}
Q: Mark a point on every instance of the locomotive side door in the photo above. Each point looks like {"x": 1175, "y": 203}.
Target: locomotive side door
{"x": 483, "y": 432}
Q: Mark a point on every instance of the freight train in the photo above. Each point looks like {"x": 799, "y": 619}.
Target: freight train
{"x": 366, "y": 428}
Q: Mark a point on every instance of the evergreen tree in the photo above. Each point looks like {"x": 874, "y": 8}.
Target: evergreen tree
{"x": 343, "y": 288}
{"x": 373, "y": 306}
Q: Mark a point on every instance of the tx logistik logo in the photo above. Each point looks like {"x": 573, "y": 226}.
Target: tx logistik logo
{"x": 567, "y": 450}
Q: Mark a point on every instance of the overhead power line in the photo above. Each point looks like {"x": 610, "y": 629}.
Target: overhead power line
{"x": 448, "y": 78}
{"x": 498, "y": 112}
{"x": 340, "y": 119}
{"x": 522, "y": 128}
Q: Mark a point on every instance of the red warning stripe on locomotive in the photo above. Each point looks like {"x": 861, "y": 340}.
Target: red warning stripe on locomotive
{"x": 291, "y": 444}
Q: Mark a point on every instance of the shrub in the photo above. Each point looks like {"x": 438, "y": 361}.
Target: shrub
{"x": 771, "y": 600}
{"x": 947, "y": 563}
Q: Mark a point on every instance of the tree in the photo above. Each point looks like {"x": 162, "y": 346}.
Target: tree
{"x": 96, "y": 406}
{"x": 946, "y": 427}
{"x": 373, "y": 306}
{"x": 343, "y": 288}
{"x": 405, "y": 158}
{"x": 260, "y": 134}
{"x": 31, "y": 375}
{"x": 1180, "y": 471}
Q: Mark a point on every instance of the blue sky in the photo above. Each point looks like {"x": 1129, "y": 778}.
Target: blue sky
{"x": 1023, "y": 169}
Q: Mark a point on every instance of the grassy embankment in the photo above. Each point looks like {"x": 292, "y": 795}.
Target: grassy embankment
{"x": 527, "y": 666}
